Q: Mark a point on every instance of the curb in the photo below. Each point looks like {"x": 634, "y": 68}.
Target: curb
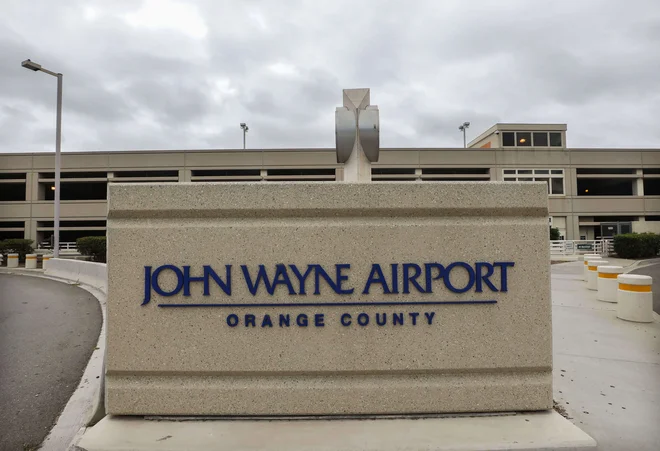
{"x": 86, "y": 405}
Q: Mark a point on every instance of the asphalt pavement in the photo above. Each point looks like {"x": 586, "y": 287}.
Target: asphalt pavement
{"x": 48, "y": 330}
{"x": 653, "y": 271}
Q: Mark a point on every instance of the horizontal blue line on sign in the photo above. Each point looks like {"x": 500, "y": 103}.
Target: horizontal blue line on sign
{"x": 333, "y": 304}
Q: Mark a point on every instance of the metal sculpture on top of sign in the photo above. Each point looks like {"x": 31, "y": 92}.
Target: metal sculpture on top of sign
{"x": 357, "y": 126}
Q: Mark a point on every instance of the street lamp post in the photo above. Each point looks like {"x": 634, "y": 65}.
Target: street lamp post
{"x": 58, "y": 144}
{"x": 463, "y": 128}
{"x": 245, "y": 130}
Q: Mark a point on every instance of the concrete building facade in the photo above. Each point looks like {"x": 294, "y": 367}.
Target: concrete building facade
{"x": 592, "y": 193}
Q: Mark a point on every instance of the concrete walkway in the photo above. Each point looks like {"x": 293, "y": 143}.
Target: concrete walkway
{"x": 48, "y": 330}
{"x": 606, "y": 370}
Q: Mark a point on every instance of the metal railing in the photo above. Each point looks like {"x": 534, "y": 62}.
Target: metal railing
{"x": 64, "y": 246}
{"x": 580, "y": 247}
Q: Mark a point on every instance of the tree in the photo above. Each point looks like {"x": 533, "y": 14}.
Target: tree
{"x": 554, "y": 234}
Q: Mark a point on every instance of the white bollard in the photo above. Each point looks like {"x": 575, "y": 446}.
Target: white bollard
{"x": 592, "y": 275}
{"x": 635, "y": 298}
{"x": 45, "y": 259}
{"x": 586, "y": 258}
{"x": 31, "y": 261}
{"x": 607, "y": 282}
{"x": 12, "y": 260}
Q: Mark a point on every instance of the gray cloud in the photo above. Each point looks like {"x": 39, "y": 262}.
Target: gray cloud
{"x": 184, "y": 73}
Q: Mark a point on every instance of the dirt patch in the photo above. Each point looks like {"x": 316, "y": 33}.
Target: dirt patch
{"x": 560, "y": 410}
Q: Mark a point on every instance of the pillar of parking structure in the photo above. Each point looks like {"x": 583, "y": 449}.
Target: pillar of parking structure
{"x": 12, "y": 260}
{"x": 592, "y": 275}
{"x": 586, "y": 258}
{"x": 607, "y": 282}
{"x": 31, "y": 261}
{"x": 635, "y": 298}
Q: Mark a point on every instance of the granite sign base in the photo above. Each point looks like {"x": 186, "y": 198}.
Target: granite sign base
{"x": 328, "y": 298}
{"x": 534, "y": 431}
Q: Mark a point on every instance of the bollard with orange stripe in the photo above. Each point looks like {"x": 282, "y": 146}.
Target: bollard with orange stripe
{"x": 12, "y": 260}
{"x": 607, "y": 282}
{"x": 635, "y": 298}
{"x": 586, "y": 258}
{"x": 592, "y": 274}
{"x": 31, "y": 261}
{"x": 44, "y": 260}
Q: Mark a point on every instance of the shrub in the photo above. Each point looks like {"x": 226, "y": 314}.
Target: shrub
{"x": 554, "y": 234}
{"x": 16, "y": 245}
{"x": 637, "y": 245}
{"x": 93, "y": 246}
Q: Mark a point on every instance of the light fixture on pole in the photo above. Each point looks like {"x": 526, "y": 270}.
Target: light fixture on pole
{"x": 245, "y": 130}
{"x": 463, "y": 128}
{"x": 58, "y": 143}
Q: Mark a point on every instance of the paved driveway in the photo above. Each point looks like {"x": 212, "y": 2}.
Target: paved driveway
{"x": 48, "y": 331}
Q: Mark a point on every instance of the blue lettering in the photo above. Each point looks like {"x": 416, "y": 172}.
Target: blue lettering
{"x": 187, "y": 279}
{"x": 250, "y": 320}
{"x": 179, "y": 278}
{"x": 428, "y": 269}
{"x": 483, "y": 278}
{"x": 471, "y": 277}
{"x": 282, "y": 278}
{"x": 208, "y": 272}
{"x": 363, "y": 319}
{"x": 345, "y": 319}
{"x": 395, "y": 278}
{"x": 503, "y": 281}
{"x": 376, "y": 276}
{"x": 301, "y": 320}
{"x": 320, "y": 272}
{"x": 414, "y": 316}
{"x": 397, "y": 318}
{"x": 147, "y": 285}
{"x": 379, "y": 321}
{"x": 285, "y": 320}
{"x": 429, "y": 317}
{"x": 232, "y": 320}
{"x": 301, "y": 277}
{"x": 266, "y": 322}
{"x": 408, "y": 279}
{"x": 341, "y": 278}
{"x": 261, "y": 275}
{"x": 318, "y": 320}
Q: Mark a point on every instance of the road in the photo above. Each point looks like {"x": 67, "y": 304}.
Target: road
{"x": 653, "y": 271}
{"x": 48, "y": 330}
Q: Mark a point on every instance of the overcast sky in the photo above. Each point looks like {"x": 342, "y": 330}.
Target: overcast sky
{"x": 167, "y": 74}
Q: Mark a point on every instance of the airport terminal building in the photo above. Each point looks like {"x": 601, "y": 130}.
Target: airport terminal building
{"x": 593, "y": 193}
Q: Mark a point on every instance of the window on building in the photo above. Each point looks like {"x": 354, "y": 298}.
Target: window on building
{"x": 508, "y": 139}
{"x": 555, "y": 139}
{"x": 652, "y": 187}
{"x": 554, "y": 178}
{"x": 540, "y": 139}
{"x": 604, "y": 187}
{"x": 523, "y": 139}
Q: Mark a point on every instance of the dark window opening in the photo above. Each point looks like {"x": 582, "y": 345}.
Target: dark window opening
{"x": 99, "y": 223}
{"x": 524, "y": 139}
{"x": 225, "y": 172}
{"x": 555, "y": 139}
{"x": 11, "y": 224}
{"x": 12, "y": 175}
{"x": 615, "y": 218}
{"x": 605, "y": 171}
{"x": 484, "y": 171}
{"x": 147, "y": 174}
{"x": 508, "y": 139}
{"x": 9, "y": 235}
{"x": 392, "y": 171}
{"x": 73, "y": 235}
{"x": 652, "y": 218}
{"x": 541, "y": 139}
{"x": 604, "y": 187}
{"x": 12, "y": 192}
{"x": 397, "y": 179}
{"x": 458, "y": 179}
{"x": 78, "y": 191}
{"x": 651, "y": 171}
{"x": 652, "y": 187}
{"x": 73, "y": 175}
{"x": 301, "y": 171}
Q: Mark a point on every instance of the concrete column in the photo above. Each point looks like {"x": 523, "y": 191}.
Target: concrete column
{"x": 357, "y": 168}
{"x": 185, "y": 175}
{"x": 638, "y": 186}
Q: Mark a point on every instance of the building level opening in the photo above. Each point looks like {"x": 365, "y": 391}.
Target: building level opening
{"x": 605, "y": 187}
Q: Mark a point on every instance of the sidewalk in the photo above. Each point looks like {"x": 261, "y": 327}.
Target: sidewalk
{"x": 606, "y": 370}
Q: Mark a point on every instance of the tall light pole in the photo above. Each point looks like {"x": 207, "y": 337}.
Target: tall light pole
{"x": 58, "y": 144}
{"x": 463, "y": 128}
{"x": 245, "y": 130}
